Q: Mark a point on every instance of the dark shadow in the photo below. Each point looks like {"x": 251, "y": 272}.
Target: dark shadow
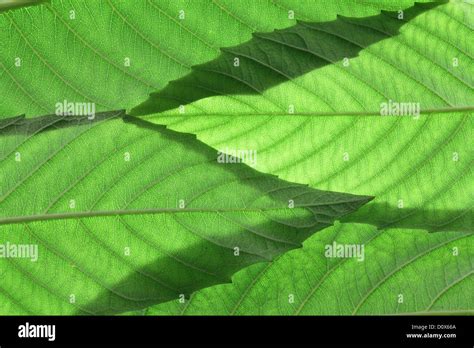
{"x": 127, "y": 296}
{"x": 270, "y": 59}
{"x": 167, "y": 279}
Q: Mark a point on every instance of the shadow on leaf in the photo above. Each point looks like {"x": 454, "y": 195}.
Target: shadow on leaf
{"x": 270, "y": 59}
{"x": 178, "y": 249}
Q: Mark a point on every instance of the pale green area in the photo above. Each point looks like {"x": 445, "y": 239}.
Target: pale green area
{"x": 425, "y": 162}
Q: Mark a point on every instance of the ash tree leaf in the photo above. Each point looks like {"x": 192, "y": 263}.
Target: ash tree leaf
{"x": 126, "y": 214}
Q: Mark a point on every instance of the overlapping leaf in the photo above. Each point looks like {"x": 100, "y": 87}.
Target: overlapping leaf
{"x": 402, "y": 271}
{"x": 419, "y": 168}
{"x": 137, "y": 217}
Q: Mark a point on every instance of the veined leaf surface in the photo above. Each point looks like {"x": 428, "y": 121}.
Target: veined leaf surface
{"x": 420, "y": 170}
{"x": 401, "y": 271}
{"x": 310, "y": 127}
{"x": 320, "y": 63}
{"x": 134, "y": 47}
{"x": 126, "y": 214}
{"x": 410, "y": 163}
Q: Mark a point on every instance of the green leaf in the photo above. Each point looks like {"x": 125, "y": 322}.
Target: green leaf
{"x": 134, "y": 47}
{"x": 270, "y": 59}
{"x": 412, "y": 164}
{"x": 311, "y": 126}
{"x": 126, "y": 214}
{"x": 404, "y": 161}
{"x": 419, "y": 168}
{"x": 345, "y": 66}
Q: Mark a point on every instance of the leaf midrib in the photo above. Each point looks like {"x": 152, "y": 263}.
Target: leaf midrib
{"x": 118, "y": 212}
{"x": 466, "y": 108}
